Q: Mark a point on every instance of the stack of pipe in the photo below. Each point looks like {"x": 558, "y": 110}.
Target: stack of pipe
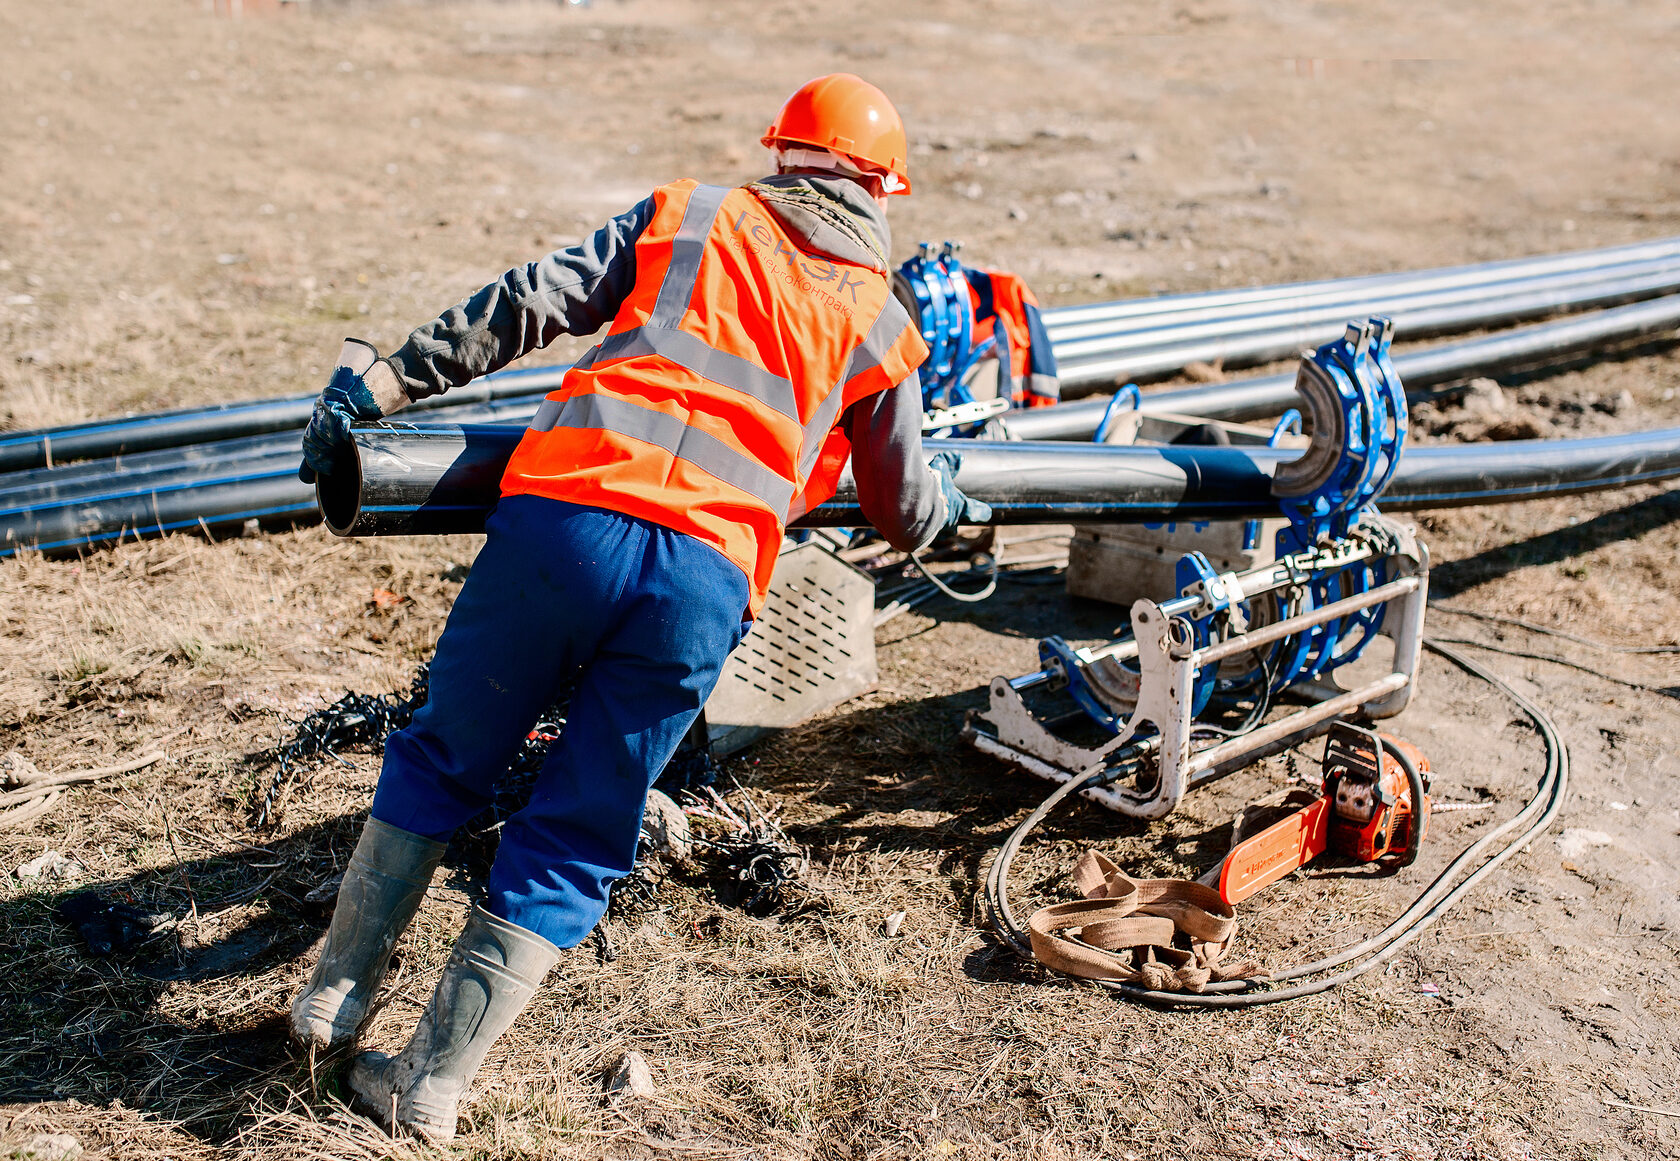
{"x": 1110, "y": 343}
{"x": 47, "y": 447}
{"x": 218, "y": 467}
{"x": 1539, "y": 345}
{"x": 206, "y": 486}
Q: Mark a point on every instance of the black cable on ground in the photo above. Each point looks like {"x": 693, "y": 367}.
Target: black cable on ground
{"x": 354, "y": 719}
{"x": 1414, "y": 781}
{"x": 1553, "y": 659}
{"x": 1425, "y": 910}
{"x": 1547, "y": 630}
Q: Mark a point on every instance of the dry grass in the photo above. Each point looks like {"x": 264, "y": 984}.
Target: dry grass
{"x": 811, "y": 1037}
{"x": 815, "y": 1036}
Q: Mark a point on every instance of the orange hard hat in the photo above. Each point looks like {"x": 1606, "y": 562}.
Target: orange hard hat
{"x": 850, "y": 116}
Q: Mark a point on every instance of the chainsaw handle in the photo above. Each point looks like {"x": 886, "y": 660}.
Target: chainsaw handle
{"x": 1415, "y": 780}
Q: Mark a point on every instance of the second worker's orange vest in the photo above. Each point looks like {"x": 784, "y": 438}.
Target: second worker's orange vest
{"x": 710, "y": 405}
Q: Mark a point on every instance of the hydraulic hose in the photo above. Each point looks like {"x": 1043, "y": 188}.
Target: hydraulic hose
{"x": 1347, "y": 289}
{"x": 1448, "y": 887}
{"x": 445, "y": 478}
{"x": 1268, "y": 395}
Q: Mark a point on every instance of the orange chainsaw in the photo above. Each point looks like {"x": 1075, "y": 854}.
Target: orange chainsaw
{"x": 1374, "y": 803}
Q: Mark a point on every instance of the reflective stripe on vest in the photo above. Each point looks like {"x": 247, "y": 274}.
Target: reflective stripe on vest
{"x": 882, "y": 334}
{"x": 691, "y": 353}
{"x": 707, "y": 452}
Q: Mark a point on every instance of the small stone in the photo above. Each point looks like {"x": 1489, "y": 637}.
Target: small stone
{"x": 631, "y": 1076}
{"x": 50, "y": 1147}
{"x": 1615, "y": 404}
{"x": 1485, "y": 397}
{"x": 50, "y": 866}
{"x": 1016, "y": 213}
{"x": 16, "y": 770}
{"x": 1143, "y": 154}
{"x": 1067, "y": 199}
{"x": 891, "y": 924}
{"x": 667, "y": 826}
{"x": 1575, "y": 841}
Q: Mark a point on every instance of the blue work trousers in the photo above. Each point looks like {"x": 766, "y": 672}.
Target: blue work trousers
{"x": 641, "y": 619}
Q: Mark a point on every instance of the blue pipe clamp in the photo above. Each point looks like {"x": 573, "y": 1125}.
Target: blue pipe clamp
{"x": 940, "y": 288}
{"x": 1358, "y": 409}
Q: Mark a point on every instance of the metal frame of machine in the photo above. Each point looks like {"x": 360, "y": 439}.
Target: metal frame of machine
{"x": 1344, "y": 575}
{"x": 1177, "y": 661}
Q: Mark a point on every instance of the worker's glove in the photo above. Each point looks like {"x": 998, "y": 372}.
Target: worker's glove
{"x": 358, "y": 384}
{"x": 960, "y": 509}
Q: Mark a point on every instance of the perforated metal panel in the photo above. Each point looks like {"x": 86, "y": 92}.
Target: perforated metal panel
{"x": 812, "y": 647}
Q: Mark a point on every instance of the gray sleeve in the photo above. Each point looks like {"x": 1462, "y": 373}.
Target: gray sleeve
{"x": 896, "y": 489}
{"x": 574, "y": 291}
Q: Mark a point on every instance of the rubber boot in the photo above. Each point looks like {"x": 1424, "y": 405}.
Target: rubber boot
{"x": 382, "y": 889}
{"x": 491, "y": 975}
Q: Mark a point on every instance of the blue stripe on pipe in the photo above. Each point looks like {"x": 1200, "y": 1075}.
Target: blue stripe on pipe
{"x": 106, "y": 497}
{"x": 195, "y": 522}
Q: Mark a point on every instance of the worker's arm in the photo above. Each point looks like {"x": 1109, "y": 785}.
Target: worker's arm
{"x": 574, "y": 291}
{"x": 896, "y": 490}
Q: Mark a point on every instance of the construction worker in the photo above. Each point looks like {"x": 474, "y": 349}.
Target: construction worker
{"x": 753, "y": 343}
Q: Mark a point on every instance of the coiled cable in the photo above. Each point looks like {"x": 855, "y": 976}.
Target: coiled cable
{"x": 1448, "y": 887}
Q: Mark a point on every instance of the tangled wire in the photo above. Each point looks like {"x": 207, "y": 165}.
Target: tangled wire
{"x": 755, "y": 857}
{"x": 354, "y": 719}
{"x": 366, "y": 719}
{"x": 756, "y": 862}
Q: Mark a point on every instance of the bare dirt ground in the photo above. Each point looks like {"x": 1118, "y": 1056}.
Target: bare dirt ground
{"x": 195, "y": 208}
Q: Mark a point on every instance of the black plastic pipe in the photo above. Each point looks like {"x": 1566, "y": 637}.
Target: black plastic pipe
{"x": 46, "y": 446}
{"x": 1269, "y": 395}
{"x": 1287, "y": 338}
{"x": 1080, "y": 343}
{"x": 1348, "y": 289}
{"x": 209, "y": 487}
{"x": 445, "y": 478}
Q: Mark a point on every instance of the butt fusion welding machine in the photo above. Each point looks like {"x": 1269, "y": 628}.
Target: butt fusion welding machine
{"x": 1166, "y": 694}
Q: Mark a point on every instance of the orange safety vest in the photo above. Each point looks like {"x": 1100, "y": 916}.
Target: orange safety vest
{"x": 710, "y": 405}
{"x": 1006, "y": 298}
